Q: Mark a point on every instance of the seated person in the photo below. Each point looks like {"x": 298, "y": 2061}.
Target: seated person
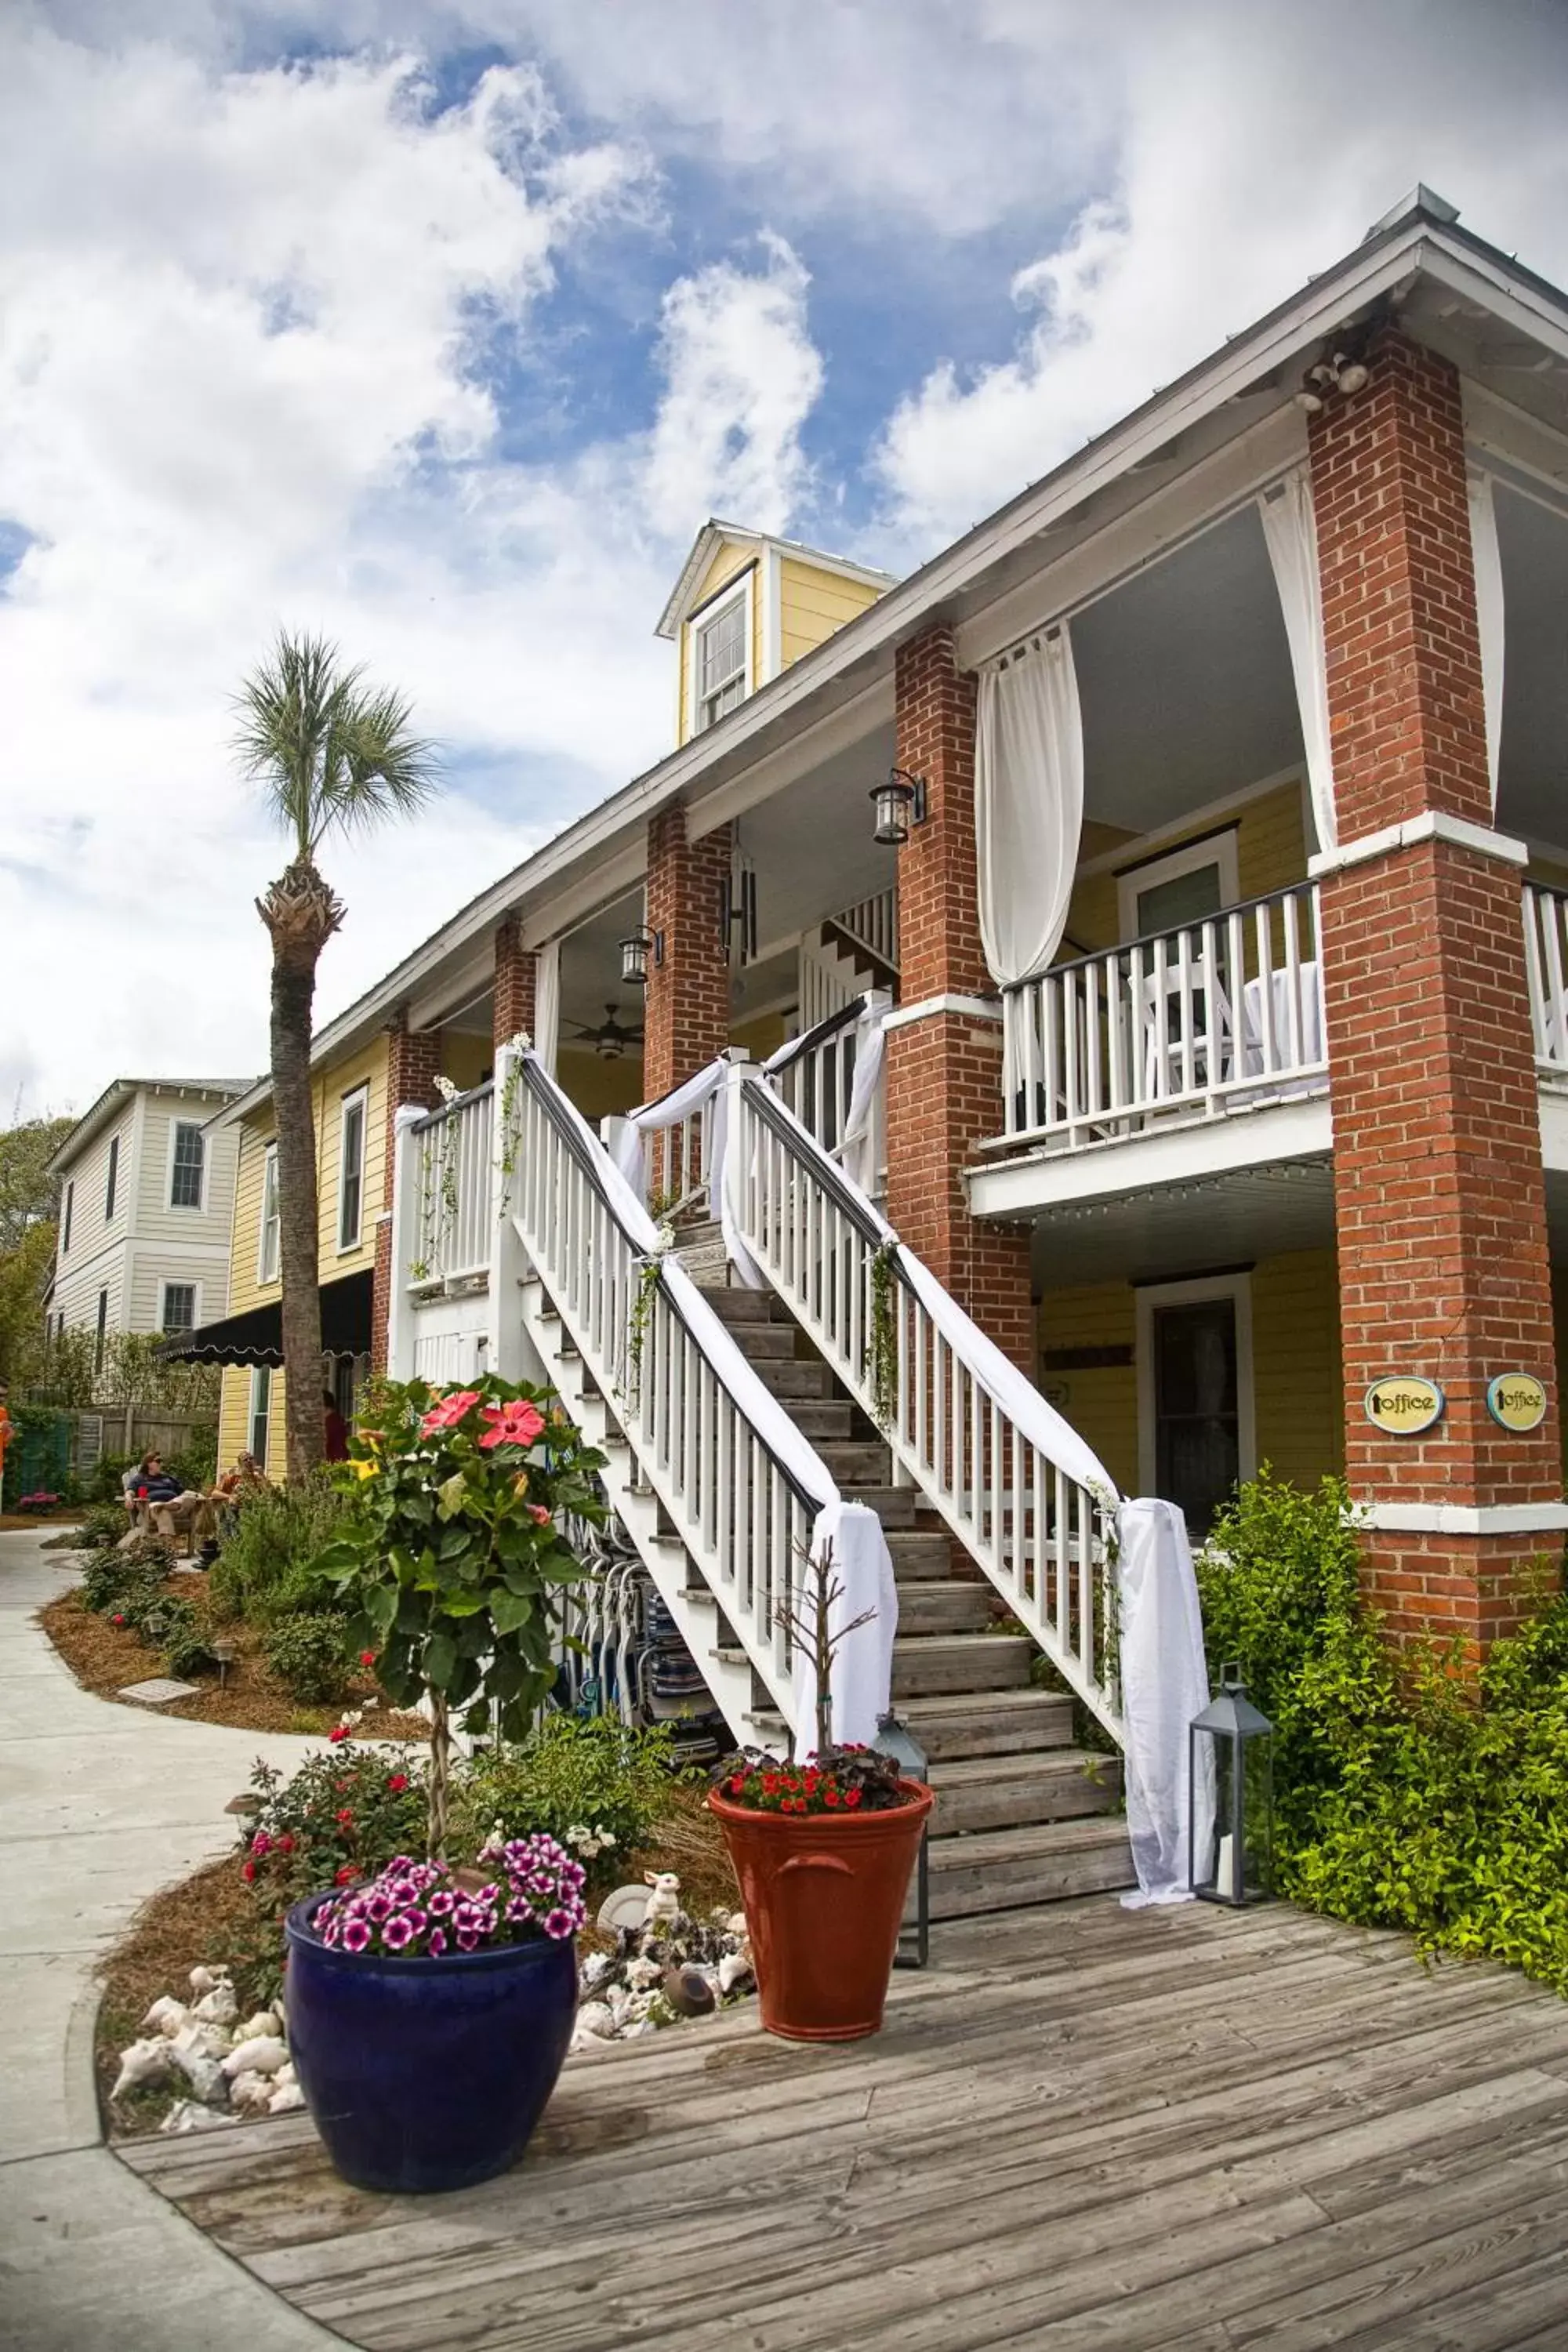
{"x": 171, "y": 1509}
{"x": 132, "y": 1483}
{"x": 228, "y": 1492}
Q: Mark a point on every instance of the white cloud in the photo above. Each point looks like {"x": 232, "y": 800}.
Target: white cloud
{"x": 1257, "y": 146}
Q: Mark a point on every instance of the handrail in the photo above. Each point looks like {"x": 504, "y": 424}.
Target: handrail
{"x": 735, "y": 1480}
{"x": 1151, "y": 939}
{"x": 1013, "y": 1481}
{"x": 452, "y": 1103}
{"x": 453, "y": 1230}
{"x": 844, "y": 1018}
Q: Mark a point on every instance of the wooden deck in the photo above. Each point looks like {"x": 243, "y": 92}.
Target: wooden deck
{"x": 1082, "y": 2128}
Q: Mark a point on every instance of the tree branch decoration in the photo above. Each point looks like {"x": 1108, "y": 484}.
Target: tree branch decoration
{"x": 881, "y": 1361}
{"x": 509, "y": 1125}
{"x": 820, "y": 1593}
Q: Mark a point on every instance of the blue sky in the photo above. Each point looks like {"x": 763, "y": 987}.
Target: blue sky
{"x": 441, "y": 325}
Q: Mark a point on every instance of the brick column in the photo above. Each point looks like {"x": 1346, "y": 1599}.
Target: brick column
{"x": 685, "y": 1009}
{"x": 944, "y": 1064}
{"x": 413, "y": 1063}
{"x": 1440, "y": 1195}
{"x": 515, "y": 984}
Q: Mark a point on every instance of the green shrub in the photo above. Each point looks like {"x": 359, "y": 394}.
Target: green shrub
{"x": 1408, "y": 1793}
{"x": 264, "y": 1567}
{"x": 102, "y": 1526}
{"x": 122, "y": 1581}
{"x": 309, "y": 1654}
{"x": 572, "y": 1776}
{"x": 104, "y": 1487}
{"x": 185, "y": 1639}
{"x": 196, "y": 1463}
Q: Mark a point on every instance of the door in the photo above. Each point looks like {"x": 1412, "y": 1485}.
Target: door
{"x": 1197, "y": 1419}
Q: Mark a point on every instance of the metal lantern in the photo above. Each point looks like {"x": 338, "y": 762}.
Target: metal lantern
{"x": 1231, "y": 1751}
{"x": 900, "y": 802}
{"x": 635, "y": 953}
{"x": 896, "y": 1739}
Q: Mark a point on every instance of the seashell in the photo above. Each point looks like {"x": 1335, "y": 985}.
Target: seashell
{"x": 206, "y": 1980}
{"x": 217, "y": 2006}
{"x": 285, "y": 2073}
{"x": 166, "y": 2016}
{"x": 209, "y": 2041}
{"x": 266, "y": 2022}
{"x": 264, "y": 2056}
{"x": 595, "y": 1969}
{"x": 251, "y": 2091}
{"x": 286, "y": 2099}
{"x": 736, "y": 1923}
{"x": 641, "y": 1973}
{"x": 187, "y": 2116}
{"x": 144, "y": 2062}
{"x": 596, "y": 2019}
{"x": 204, "y": 2074}
{"x": 735, "y": 1969}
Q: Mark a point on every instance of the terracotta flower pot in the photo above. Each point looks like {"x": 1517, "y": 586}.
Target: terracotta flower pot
{"x": 823, "y": 1894}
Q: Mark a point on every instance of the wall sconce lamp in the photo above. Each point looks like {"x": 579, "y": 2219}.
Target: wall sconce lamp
{"x": 1341, "y": 373}
{"x": 900, "y": 802}
{"x": 635, "y": 953}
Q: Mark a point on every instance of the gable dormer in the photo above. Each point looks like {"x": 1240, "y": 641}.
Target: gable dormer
{"x": 745, "y": 607}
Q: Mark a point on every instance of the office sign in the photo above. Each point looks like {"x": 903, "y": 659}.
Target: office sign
{"x": 1517, "y": 1400}
{"x": 1404, "y": 1404}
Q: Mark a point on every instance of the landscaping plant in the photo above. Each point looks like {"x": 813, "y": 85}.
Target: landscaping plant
{"x": 309, "y": 1654}
{"x": 417, "y": 1909}
{"x": 267, "y": 1556}
{"x": 838, "y": 1779}
{"x": 1409, "y": 1791}
{"x": 455, "y": 1560}
{"x": 597, "y": 1786}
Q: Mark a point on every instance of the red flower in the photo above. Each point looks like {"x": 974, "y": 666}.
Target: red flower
{"x": 450, "y": 1412}
{"x": 398, "y": 1782}
{"x": 338, "y": 1734}
{"x": 518, "y": 1423}
{"x": 248, "y": 1872}
{"x": 345, "y": 1817}
{"x": 830, "y": 1797}
{"x": 851, "y": 1797}
{"x": 737, "y": 1785}
{"x": 117, "y": 1619}
{"x": 286, "y": 1844}
{"x": 347, "y": 1873}
{"x": 367, "y": 1658}
{"x": 535, "y": 1510}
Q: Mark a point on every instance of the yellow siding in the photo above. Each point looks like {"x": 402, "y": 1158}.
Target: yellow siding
{"x": 234, "y": 1406}
{"x": 1102, "y": 1404}
{"x": 1270, "y": 854}
{"x": 759, "y": 1037}
{"x": 466, "y": 1059}
{"x": 1297, "y": 1382}
{"x": 599, "y": 1087}
{"x": 813, "y": 603}
{"x": 244, "y": 1290}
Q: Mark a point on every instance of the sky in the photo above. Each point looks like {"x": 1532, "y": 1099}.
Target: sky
{"x": 440, "y": 326}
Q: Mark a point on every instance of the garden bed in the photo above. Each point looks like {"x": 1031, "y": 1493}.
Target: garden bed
{"x": 105, "y": 1657}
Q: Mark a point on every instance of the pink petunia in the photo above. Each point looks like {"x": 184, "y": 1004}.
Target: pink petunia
{"x": 450, "y": 1412}
{"x": 518, "y": 1423}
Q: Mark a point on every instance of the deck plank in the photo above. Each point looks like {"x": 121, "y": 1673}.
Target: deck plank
{"x": 1188, "y": 2130}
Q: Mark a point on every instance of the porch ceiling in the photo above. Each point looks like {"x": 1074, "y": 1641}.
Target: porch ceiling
{"x": 1533, "y": 540}
{"x": 1193, "y": 1228}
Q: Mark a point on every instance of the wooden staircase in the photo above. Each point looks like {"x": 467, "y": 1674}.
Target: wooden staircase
{"x": 1022, "y": 1816}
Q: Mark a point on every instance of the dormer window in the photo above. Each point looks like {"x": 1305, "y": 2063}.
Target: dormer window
{"x": 721, "y": 664}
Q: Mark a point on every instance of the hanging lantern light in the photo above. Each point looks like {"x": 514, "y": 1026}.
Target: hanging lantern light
{"x": 1231, "y": 1751}
{"x": 900, "y": 802}
{"x": 896, "y": 1739}
{"x": 636, "y": 951}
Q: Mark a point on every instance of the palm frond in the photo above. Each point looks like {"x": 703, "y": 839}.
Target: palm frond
{"x": 327, "y": 751}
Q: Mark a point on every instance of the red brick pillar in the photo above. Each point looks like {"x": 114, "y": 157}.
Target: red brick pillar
{"x": 944, "y": 1048}
{"x": 686, "y": 1011}
{"x": 1440, "y": 1195}
{"x": 413, "y": 1063}
{"x": 515, "y": 986}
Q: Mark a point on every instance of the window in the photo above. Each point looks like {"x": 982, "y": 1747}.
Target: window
{"x": 267, "y": 1256}
{"x": 186, "y": 1180}
{"x": 66, "y": 1219}
{"x": 1194, "y": 1393}
{"x": 722, "y": 649}
{"x": 101, "y": 1335}
{"x": 178, "y": 1312}
{"x": 351, "y": 1169}
{"x": 1165, "y": 894}
{"x": 111, "y": 1180}
{"x": 260, "y": 1411}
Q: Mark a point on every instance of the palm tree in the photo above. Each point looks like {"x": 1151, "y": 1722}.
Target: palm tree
{"x": 330, "y": 754}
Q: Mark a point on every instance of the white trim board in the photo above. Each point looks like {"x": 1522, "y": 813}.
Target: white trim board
{"x": 1463, "y": 1519}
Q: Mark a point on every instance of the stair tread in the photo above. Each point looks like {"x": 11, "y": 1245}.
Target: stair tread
{"x": 974, "y": 1849}
{"x": 1023, "y": 1764}
{"x": 927, "y": 1704}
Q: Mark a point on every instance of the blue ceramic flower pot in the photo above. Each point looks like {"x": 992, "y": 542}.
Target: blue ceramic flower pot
{"x": 425, "y": 2073}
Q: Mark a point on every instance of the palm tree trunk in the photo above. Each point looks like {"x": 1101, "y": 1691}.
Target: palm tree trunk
{"x": 293, "y": 992}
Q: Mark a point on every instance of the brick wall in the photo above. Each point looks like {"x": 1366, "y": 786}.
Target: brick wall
{"x": 1440, "y": 1195}
{"x": 686, "y": 1014}
{"x": 944, "y": 1070}
{"x": 515, "y": 986}
{"x": 412, "y": 1063}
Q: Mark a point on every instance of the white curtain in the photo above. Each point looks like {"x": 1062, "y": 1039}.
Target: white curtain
{"x": 710, "y": 1089}
{"x": 547, "y": 1003}
{"x": 1028, "y": 802}
{"x": 1487, "y": 563}
{"x": 1290, "y": 532}
{"x": 1164, "y": 1684}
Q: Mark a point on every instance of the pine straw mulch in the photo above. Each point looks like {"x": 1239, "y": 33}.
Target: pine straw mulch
{"x": 12, "y": 1522}
{"x": 105, "y": 1657}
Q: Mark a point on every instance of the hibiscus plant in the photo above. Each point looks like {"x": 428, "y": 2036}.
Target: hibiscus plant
{"x": 456, "y": 1557}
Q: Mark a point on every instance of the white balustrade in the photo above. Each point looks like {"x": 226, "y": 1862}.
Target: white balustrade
{"x": 1546, "y": 967}
{"x": 818, "y": 1078}
{"x": 686, "y": 1400}
{"x": 1191, "y": 1023}
{"x": 929, "y": 1380}
{"x": 874, "y": 922}
{"x": 452, "y": 1169}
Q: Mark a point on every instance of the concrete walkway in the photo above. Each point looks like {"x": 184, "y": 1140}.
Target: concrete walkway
{"x": 99, "y": 1806}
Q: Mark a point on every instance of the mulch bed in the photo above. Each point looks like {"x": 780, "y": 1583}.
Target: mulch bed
{"x": 197, "y": 1921}
{"x": 104, "y": 1657}
{"x": 12, "y": 1520}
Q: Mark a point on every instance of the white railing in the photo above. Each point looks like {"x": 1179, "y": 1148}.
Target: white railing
{"x": 933, "y": 1383}
{"x": 817, "y": 1080}
{"x": 1546, "y": 966}
{"x": 874, "y": 923}
{"x": 452, "y": 1229}
{"x": 686, "y": 1401}
{"x": 1192, "y": 1024}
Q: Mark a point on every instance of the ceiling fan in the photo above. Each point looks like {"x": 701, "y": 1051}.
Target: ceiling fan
{"x": 608, "y": 1038}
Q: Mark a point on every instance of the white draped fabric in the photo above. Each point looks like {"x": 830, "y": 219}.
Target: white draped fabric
{"x": 1164, "y": 1684}
{"x": 1487, "y": 563}
{"x": 707, "y": 1089}
{"x": 857, "y": 1149}
{"x": 1028, "y": 802}
{"x": 547, "y": 1004}
{"x": 861, "y": 1680}
{"x": 1290, "y": 532}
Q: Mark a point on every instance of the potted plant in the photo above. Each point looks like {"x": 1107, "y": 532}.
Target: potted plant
{"x": 822, "y": 1850}
{"x": 430, "y": 2010}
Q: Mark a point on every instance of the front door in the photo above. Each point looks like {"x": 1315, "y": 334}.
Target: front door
{"x": 1198, "y": 1427}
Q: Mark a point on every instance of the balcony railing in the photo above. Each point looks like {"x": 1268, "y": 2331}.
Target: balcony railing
{"x": 1546, "y": 966}
{"x": 452, "y": 1236}
{"x": 1185, "y": 1025}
